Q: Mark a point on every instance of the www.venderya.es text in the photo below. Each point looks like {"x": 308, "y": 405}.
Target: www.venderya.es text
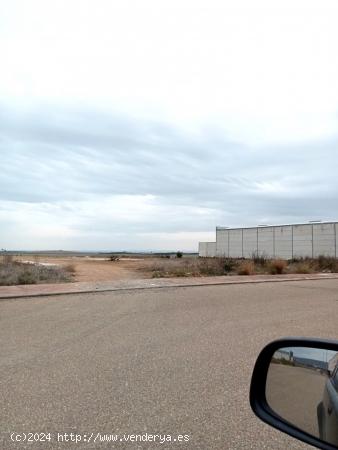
{"x": 97, "y": 437}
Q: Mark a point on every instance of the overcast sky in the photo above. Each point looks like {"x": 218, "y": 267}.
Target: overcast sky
{"x": 141, "y": 125}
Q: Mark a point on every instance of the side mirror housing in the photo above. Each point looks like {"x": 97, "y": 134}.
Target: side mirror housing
{"x": 294, "y": 388}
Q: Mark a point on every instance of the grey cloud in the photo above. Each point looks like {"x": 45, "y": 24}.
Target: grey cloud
{"x": 57, "y": 155}
{"x": 99, "y": 154}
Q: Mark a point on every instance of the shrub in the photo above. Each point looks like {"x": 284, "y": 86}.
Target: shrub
{"x": 211, "y": 266}
{"x": 246, "y": 268}
{"x": 303, "y": 267}
{"x": 327, "y": 263}
{"x": 70, "y": 268}
{"x": 158, "y": 274}
{"x": 296, "y": 259}
{"x": 179, "y": 254}
{"x": 259, "y": 258}
{"x": 188, "y": 266}
{"x": 277, "y": 266}
{"x": 20, "y": 273}
{"x": 27, "y": 277}
{"x": 229, "y": 265}
{"x": 180, "y": 272}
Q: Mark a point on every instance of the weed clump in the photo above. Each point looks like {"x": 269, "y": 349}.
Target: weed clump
{"x": 246, "y": 268}
{"x": 229, "y": 265}
{"x": 303, "y": 267}
{"x": 327, "y": 264}
{"x": 15, "y": 272}
{"x": 259, "y": 259}
{"x": 277, "y": 266}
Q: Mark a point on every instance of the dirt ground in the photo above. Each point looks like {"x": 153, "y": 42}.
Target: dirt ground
{"x": 96, "y": 269}
{"x": 99, "y": 268}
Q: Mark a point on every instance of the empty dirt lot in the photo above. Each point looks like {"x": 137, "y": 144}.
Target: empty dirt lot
{"x": 100, "y": 267}
{"x": 96, "y": 269}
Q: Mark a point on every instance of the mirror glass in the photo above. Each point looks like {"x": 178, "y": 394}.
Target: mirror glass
{"x": 302, "y": 388}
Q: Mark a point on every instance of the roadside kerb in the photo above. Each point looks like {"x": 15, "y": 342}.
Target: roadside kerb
{"x": 28, "y": 291}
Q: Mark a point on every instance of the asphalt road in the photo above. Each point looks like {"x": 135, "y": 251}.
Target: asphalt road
{"x": 173, "y": 361}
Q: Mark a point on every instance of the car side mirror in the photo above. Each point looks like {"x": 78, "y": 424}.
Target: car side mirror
{"x": 294, "y": 388}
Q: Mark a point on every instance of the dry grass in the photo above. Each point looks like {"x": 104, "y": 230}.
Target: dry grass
{"x": 6, "y": 258}
{"x": 187, "y": 267}
{"x": 14, "y": 273}
{"x": 277, "y": 266}
{"x": 302, "y": 267}
{"x": 259, "y": 259}
{"x": 246, "y": 268}
{"x": 70, "y": 268}
{"x": 327, "y": 264}
{"x": 196, "y": 267}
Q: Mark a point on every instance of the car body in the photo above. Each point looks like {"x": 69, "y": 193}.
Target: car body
{"x": 327, "y": 410}
{"x": 320, "y": 429}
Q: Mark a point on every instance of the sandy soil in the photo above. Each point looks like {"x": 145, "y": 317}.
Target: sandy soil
{"x": 96, "y": 269}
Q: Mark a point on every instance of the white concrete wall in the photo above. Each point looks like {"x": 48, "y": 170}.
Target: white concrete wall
{"x": 302, "y": 240}
{"x": 202, "y": 249}
{"x": 222, "y": 242}
{"x": 207, "y": 249}
{"x": 249, "y": 242}
{"x": 265, "y": 241}
{"x": 285, "y": 241}
{"x": 324, "y": 239}
{"x": 211, "y": 249}
{"x": 235, "y": 243}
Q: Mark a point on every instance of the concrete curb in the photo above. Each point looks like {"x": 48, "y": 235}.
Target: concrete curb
{"x": 164, "y": 286}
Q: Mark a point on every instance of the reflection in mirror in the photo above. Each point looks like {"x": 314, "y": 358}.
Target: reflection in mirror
{"x": 302, "y": 388}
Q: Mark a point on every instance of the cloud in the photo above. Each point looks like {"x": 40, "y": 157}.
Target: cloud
{"x": 73, "y": 178}
{"x": 124, "y": 123}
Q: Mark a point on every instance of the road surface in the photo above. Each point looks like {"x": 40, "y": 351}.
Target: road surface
{"x": 294, "y": 394}
{"x": 171, "y": 361}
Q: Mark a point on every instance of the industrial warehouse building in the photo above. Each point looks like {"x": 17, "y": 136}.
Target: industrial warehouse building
{"x": 274, "y": 241}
